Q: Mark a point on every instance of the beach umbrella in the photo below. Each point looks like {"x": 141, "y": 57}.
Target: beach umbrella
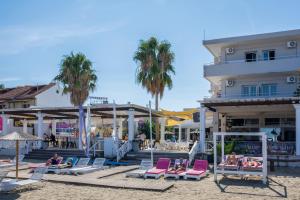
{"x": 15, "y": 136}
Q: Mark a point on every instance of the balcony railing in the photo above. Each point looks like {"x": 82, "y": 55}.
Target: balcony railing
{"x": 252, "y": 96}
{"x": 220, "y": 61}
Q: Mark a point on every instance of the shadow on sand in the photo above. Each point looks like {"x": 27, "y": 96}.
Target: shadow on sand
{"x": 278, "y": 189}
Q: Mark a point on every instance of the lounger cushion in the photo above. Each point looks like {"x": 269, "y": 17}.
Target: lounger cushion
{"x": 195, "y": 172}
{"x": 155, "y": 171}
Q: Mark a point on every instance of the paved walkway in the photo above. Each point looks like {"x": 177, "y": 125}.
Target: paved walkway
{"x": 103, "y": 178}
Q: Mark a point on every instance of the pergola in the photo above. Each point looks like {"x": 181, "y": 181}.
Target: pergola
{"x": 103, "y": 111}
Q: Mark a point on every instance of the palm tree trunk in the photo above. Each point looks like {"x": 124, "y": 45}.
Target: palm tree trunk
{"x": 156, "y": 102}
{"x": 157, "y": 134}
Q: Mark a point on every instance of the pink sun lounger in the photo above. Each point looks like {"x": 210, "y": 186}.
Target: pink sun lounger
{"x": 198, "y": 171}
{"x": 162, "y": 166}
{"x": 176, "y": 173}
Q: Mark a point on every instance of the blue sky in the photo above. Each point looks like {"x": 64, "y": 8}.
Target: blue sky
{"x": 34, "y": 35}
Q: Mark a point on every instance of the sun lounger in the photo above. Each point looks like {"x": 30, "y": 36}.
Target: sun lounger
{"x": 98, "y": 164}
{"x": 225, "y": 166}
{"x": 144, "y": 166}
{"x": 198, "y": 171}
{"x": 56, "y": 168}
{"x": 252, "y": 164}
{"x": 11, "y": 184}
{"x": 162, "y": 166}
{"x": 82, "y": 162}
{"x": 10, "y": 163}
{"x": 176, "y": 173}
{"x": 33, "y": 166}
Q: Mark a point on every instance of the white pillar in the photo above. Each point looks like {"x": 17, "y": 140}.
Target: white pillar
{"x": 4, "y": 124}
{"x": 40, "y": 125}
{"x": 223, "y": 123}
{"x": 25, "y": 130}
{"x": 53, "y": 126}
{"x": 130, "y": 124}
{"x": 215, "y": 122}
{"x": 202, "y": 128}
{"x": 188, "y": 134}
{"x": 120, "y": 129}
{"x": 115, "y": 134}
{"x": 179, "y": 134}
{"x": 162, "y": 129}
{"x": 297, "y": 108}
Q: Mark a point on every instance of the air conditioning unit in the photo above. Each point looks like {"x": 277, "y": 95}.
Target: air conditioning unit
{"x": 291, "y": 44}
{"x": 229, "y": 83}
{"x": 291, "y": 79}
{"x": 229, "y": 50}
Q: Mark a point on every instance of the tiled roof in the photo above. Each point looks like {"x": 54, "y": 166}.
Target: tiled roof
{"x": 23, "y": 92}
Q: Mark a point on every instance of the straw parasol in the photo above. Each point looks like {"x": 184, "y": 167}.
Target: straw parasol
{"x": 15, "y": 136}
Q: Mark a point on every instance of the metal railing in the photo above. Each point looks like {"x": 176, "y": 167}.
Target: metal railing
{"x": 97, "y": 146}
{"x": 252, "y": 96}
{"x": 194, "y": 150}
{"x": 220, "y": 61}
{"x": 125, "y": 148}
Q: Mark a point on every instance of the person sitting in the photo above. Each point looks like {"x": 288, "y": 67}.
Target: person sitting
{"x": 179, "y": 165}
{"x": 231, "y": 159}
{"x": 54, "y": 160}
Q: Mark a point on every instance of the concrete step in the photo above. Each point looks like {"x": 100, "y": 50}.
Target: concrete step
{"x": 45, "y": 154}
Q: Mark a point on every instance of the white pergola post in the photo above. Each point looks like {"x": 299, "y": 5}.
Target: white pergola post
{"x": 40, "y": 125}
{"x": 297, "y": 109}
{"x": 202, "y": 128}
{"x": 120, "y": 129}
{"x": 188, "y": 134}
{"x": 5, "y": 119}
{"x": 162, "y": 129}
{"x": 215, "y": 122}
{"x": 223, "y": 123}
{"x": 130, "y": 124}
{"x": 179, "y": 133}
{"x": 53, "y": 126}
{"x": 25, "y": 130}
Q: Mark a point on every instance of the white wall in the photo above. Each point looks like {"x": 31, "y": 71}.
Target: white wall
{"x": 53, "y": 97}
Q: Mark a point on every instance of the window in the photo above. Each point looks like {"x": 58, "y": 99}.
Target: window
{"x": 248, "y": 90}
{"x": 272, "y": 121}
{"x": 268, "y": 54}
{"x": 2, "y": 106}
{"x": 250, "y": 56}
{"x": 268, "y": 90}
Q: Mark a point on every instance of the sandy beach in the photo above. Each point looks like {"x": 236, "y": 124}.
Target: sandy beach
{"x": 282, "y": 184}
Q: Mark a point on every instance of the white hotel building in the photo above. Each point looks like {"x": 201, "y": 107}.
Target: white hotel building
{"x": 253, "y": 83}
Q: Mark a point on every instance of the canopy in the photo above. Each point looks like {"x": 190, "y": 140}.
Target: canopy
{"x": 15, "y": 136}
{"x": 176, "y": 118}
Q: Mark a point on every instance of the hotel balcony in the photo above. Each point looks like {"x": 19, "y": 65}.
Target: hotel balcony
{"x": 228, "y": 69}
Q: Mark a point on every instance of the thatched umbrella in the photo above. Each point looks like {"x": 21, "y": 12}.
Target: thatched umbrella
{"x": 15, "y": 136}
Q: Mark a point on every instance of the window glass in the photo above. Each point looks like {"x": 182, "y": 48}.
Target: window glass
{"x": 268, "y": 90}
{"x": 250, "y": 56}
{"x": 252, "y": 90}
{"x": 268, "y": 54}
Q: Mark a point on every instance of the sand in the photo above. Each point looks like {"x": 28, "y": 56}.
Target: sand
{"x": 285, "y": 183}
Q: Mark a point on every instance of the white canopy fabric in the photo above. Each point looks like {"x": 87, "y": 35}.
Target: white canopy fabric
{"x": 191, "y": 124}
{"x": 15, "y": 136}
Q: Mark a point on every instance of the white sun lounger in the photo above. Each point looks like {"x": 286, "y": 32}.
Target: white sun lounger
{"x": 10, "y": 184}
{"x": 144, "y": 166}
{"x": 98, "y": 164}
{"x": 13, "y": 162}
{"x": 83, "y": 162}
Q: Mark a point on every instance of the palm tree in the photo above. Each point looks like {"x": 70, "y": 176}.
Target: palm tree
{"x": 78, "y": 78}
{"x": 155, "y": 68}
